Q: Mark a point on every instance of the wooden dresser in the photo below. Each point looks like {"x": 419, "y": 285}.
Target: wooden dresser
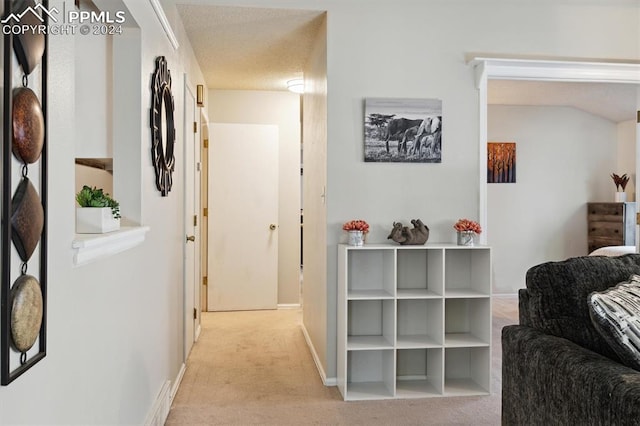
{"x": 611, "y": 224}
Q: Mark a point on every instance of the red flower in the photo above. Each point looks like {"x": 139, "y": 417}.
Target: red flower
{"x": 467, "y": 225}
{"x": 356, "y": 225}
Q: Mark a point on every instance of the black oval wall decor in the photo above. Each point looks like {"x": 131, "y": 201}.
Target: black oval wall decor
{"x": 163, "y": 132}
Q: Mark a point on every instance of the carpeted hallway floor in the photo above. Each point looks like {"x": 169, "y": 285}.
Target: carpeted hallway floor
{"x": 254, "y": 368}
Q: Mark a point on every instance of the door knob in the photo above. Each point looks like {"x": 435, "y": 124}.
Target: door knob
{"x": 191, "y": 238}
{"x": 273, "y": 226}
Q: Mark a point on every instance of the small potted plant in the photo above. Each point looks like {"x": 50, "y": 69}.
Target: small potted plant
{"x": 467, "y": 230}
{"x": 356, "y": 230}
{"x": 621, "y": 184}
{"x": 98, "y": 212}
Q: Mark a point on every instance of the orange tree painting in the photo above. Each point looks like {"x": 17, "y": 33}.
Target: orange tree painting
{"x": 501, "y": 162}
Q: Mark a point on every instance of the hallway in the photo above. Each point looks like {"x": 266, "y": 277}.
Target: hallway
{"x": 251, "y": 367}
{"x": 254, "y": 367}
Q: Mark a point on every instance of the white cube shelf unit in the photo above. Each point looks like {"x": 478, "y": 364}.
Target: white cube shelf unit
{"x": 414, "y": 321}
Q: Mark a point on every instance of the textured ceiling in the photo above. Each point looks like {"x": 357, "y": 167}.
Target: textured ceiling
{"x": 250, "y": 48}
{"x": 616, "y": 102}
{"x": 246, "y": 48}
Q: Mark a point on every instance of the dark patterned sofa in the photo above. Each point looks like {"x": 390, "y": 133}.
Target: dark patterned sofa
{"x": 556, "y": 368}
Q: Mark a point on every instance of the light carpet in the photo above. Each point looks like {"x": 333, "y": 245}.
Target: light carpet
{"x": 254, "y": 368}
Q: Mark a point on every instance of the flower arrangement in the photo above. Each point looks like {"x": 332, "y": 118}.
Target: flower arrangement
{"x": 620, "y": 181}
{"x": 467, "y": 225}
{"x": 356, "y": 225}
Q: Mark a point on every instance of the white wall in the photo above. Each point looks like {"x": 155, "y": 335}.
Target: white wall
{"x": 564, "y": 158}
{"x": 115, "y": 327}
{"x": 626, "y": 158}
{"x": 405, "y": 48}
{"x": 92, "y": 176}
{"x": 94, "y": 101}
{"x": 316, "y": 320}
{"x": 283, "y": 110}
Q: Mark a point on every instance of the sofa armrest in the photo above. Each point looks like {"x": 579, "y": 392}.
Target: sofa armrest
{"x": 548, "y": 380}
{"x": 524, "y": 316}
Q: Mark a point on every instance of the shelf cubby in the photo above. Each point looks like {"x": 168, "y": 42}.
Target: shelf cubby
{"x": 467, "y": 322}
{"x": 370, "y": 324}
{"x": 419, "y": 373}
{"x": 467, "y": 371}
{"x": 467, "y": 273}
{"x": 420, "y": 273}
{"x": 419, "y": 323}
{"x": 375, "y": 278}
{"x": 370, "y": 375}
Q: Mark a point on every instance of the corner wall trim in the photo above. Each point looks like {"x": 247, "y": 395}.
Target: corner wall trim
{"x": 327, "y": 381}
{"x": 166, "y": 26}
{"x": 554, "y": 70}
{"x": 176, "y": 383}
{"x": 288, "y": 306}
{"x": 161, "y": 406}
{"x": 197, "y": 333}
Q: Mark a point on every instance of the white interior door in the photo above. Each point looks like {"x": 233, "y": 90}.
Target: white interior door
{"x": 243, "y": 213}
{"x": 191, "y": 220}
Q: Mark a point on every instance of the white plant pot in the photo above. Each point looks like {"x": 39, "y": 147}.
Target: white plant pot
{"x": 95, "y": 220}
{"x": 356, "y": 238}
{"x": 621, "y": 197}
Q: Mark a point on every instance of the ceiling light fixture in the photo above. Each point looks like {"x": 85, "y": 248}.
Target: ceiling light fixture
{"x": 296, "y": 85}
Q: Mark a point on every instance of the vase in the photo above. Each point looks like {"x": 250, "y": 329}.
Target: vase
{"x": 95, "y": 220}
{"x": 621, "y": 197}
{"x": 465, "y": 238}
{"x": 356, "y": 238}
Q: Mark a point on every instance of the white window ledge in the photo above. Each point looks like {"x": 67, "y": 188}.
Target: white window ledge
{"x": 90, "y": 247}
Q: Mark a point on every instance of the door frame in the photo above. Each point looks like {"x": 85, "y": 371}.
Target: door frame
{"x": 486, "y": 68}
{"x": 191, "y": 135}
{"x": 204, "y": 210}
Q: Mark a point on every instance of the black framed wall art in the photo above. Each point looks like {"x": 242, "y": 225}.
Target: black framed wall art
{"x": 23, "y": 290}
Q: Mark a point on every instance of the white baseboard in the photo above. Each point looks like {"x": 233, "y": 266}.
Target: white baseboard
{"x": 288, "y": 306}
{"x": 504, "y": 295}
{"x": 327, "y": 381}
{"x": 177, "y": 381}
{"x": 160, "y": 409}
{"x": 197, "y": 334}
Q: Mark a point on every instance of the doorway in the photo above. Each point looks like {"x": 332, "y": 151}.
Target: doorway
{"x": 258, "y": 108}
{"x": 584, "y": 187}
{"x": 226, "y": 57}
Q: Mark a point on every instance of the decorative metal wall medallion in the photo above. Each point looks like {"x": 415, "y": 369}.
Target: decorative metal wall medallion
{"x": 163, "y": 132}
{"x": 28, "y": 125}
{"x": 27, "y": 219}
{"x": 28, "y": 45}
{"x": 26, "y": 312}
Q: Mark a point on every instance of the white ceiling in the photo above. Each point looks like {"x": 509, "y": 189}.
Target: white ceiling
{"x": 615, "y": 101}
{"x": 250, "y": 48}
{"x": 260, "y": 49}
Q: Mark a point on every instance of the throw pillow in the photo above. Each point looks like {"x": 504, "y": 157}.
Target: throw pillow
{"x": 615, "y": 314}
